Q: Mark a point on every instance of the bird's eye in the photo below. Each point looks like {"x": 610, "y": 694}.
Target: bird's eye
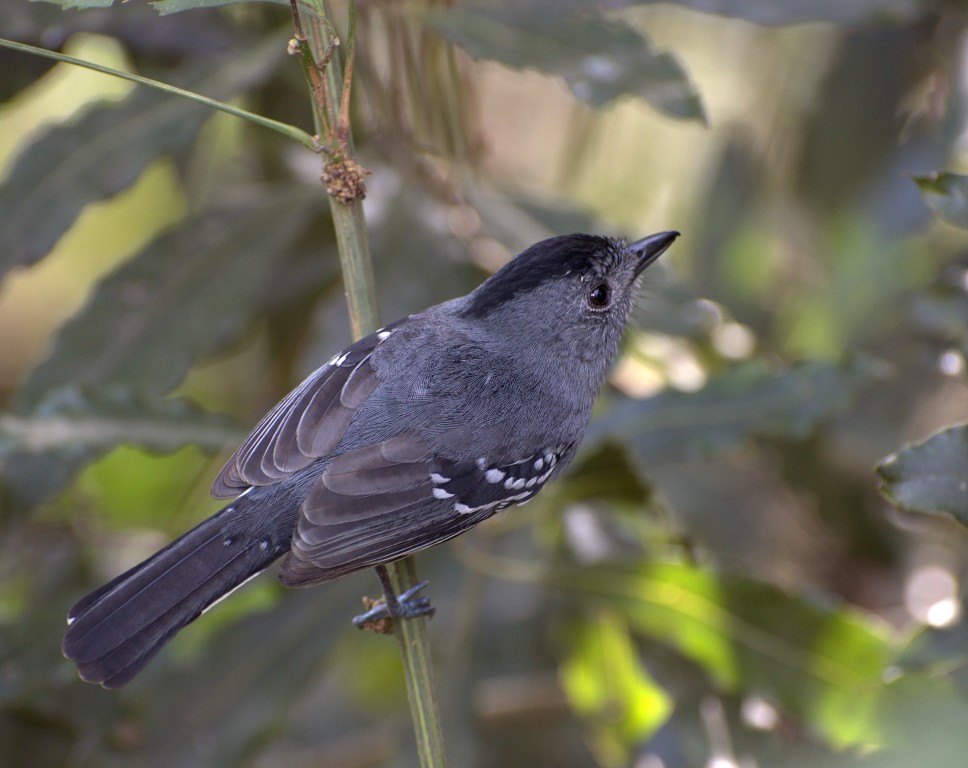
{"x": 599, "y": 297}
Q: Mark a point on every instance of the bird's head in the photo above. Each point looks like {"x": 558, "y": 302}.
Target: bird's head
{"x": 570, "y": 296}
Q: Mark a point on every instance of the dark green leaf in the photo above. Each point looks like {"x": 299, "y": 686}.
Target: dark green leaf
{"x": 81, "y": 4}
{"x": 822, "y": 664}
{"x": 41, "y": 449}
{"x": 181, "y": 298}
{"x": 104, "y": 152}
{"x": 600, "y": 59}
{"x": 947, "y": 194}
{"x": 165, "y": 7}
{"x": 931, "y": 476}
{"x": 771, "y": 12}
{"x": 746, "y": 401}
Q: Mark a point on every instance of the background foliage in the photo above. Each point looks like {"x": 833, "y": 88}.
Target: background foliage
{"x": 716, "y": 582}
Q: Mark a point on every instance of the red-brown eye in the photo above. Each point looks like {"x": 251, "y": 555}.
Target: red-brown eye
{"x": 599, "y": 297}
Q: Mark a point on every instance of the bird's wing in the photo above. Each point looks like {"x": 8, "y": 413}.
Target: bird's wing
{"x": 386, "y": 500}
{"x": 307, "y": 424}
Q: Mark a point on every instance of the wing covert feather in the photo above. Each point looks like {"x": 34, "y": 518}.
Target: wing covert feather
{"x": 306, "y": 425}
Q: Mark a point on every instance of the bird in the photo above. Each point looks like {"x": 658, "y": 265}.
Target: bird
{"x": 405, "y": 439}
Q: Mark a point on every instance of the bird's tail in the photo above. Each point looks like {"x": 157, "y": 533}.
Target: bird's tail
{"x": 116, "y": 630}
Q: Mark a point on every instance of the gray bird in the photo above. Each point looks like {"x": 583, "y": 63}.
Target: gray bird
{"x": 403, "y": 440}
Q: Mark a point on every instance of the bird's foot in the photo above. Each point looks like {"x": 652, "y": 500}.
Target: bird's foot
{"x": 381, "y": 613}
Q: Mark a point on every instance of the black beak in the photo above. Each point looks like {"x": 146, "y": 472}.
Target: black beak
{"x": 648, "y": 249}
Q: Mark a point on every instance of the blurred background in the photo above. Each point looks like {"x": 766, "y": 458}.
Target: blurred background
{"x": 717, "y": 581}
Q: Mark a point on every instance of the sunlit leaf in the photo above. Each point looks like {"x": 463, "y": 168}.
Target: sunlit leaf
{"x": 931, "y": 476}
{"x": 947, "y": 194}
{"x": 41, "y": 449}
{"x": 183, "y": 296}
{"x": 103, "y": 152}
{"x": 609, "y": 688}
{"x": 821, "y": 664}
{"x": 745, "y": 401}
{"x": 600, "y": 59}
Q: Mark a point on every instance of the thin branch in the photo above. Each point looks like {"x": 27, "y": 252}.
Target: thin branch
{"x": 285, "y": 129}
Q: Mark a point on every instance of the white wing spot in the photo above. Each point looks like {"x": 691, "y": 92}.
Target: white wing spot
{"x": 538, "y": 464}
{"x": 263, "y": 545}
{"x": 518, "y": 484}
{"x": 531, "y": 482}
{"x": 339, "y": 360}
{"x": 438, "y": 479}
{"x": 440, "y": 493}
{"x": 494, "y": 475}
{"x": 462, "y": 509}
{"x": 383, "y": 335}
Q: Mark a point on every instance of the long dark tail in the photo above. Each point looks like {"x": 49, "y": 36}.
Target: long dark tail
{"x": 116, "y": 630}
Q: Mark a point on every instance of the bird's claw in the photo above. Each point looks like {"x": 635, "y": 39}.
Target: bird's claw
{"x": 381, "y": 613}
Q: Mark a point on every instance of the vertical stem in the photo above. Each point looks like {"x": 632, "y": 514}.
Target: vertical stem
{"x": 358, "y": 283}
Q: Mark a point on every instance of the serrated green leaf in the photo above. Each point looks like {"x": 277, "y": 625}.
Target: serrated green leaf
{"x": 609, "y": 688}
{"x": 744, "y": 402}
{"x": 184, "y": 295}
{"x": 41, "y": 449}
{"x": 103, "y": 152}
{"x": 822, "y": 664}
{"x": 600, "y": 59}
{"x": 931, "y": 476}
{"x": 947, "y": 195}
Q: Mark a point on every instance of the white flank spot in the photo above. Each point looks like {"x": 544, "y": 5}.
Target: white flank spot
{"x": 538, "y": 464}
{"x": 494, "y": 475}
{"x": 211, "y": 605}
{"x": 438, "y": 479}
{"x": 440, "y": 493}
{"x": 545, "y": 476}
{"x": 462, "y": 509}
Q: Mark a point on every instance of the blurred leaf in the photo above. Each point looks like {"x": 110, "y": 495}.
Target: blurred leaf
{"x": 174, "y": 6}
{"x": 821, "y": 664}
{"x": 600, "y": 59}
{"x": 947, "y": 194}
{"x": 743, "y": 402}
{"x": 103, "y": 152}
{"x": 81, "y": 4}
{"x": 607, "y": 686}
{"x": 40, "y": 450}
{"x": 606, "y": 474}
{"x": 771, "y": 12}
{"x": 186, "y": 294}
{"x": 931, "y": 476}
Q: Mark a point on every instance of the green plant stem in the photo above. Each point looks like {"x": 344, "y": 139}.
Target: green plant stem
{"x": 412, "y": 634}
{"x": 285, "y": 129}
